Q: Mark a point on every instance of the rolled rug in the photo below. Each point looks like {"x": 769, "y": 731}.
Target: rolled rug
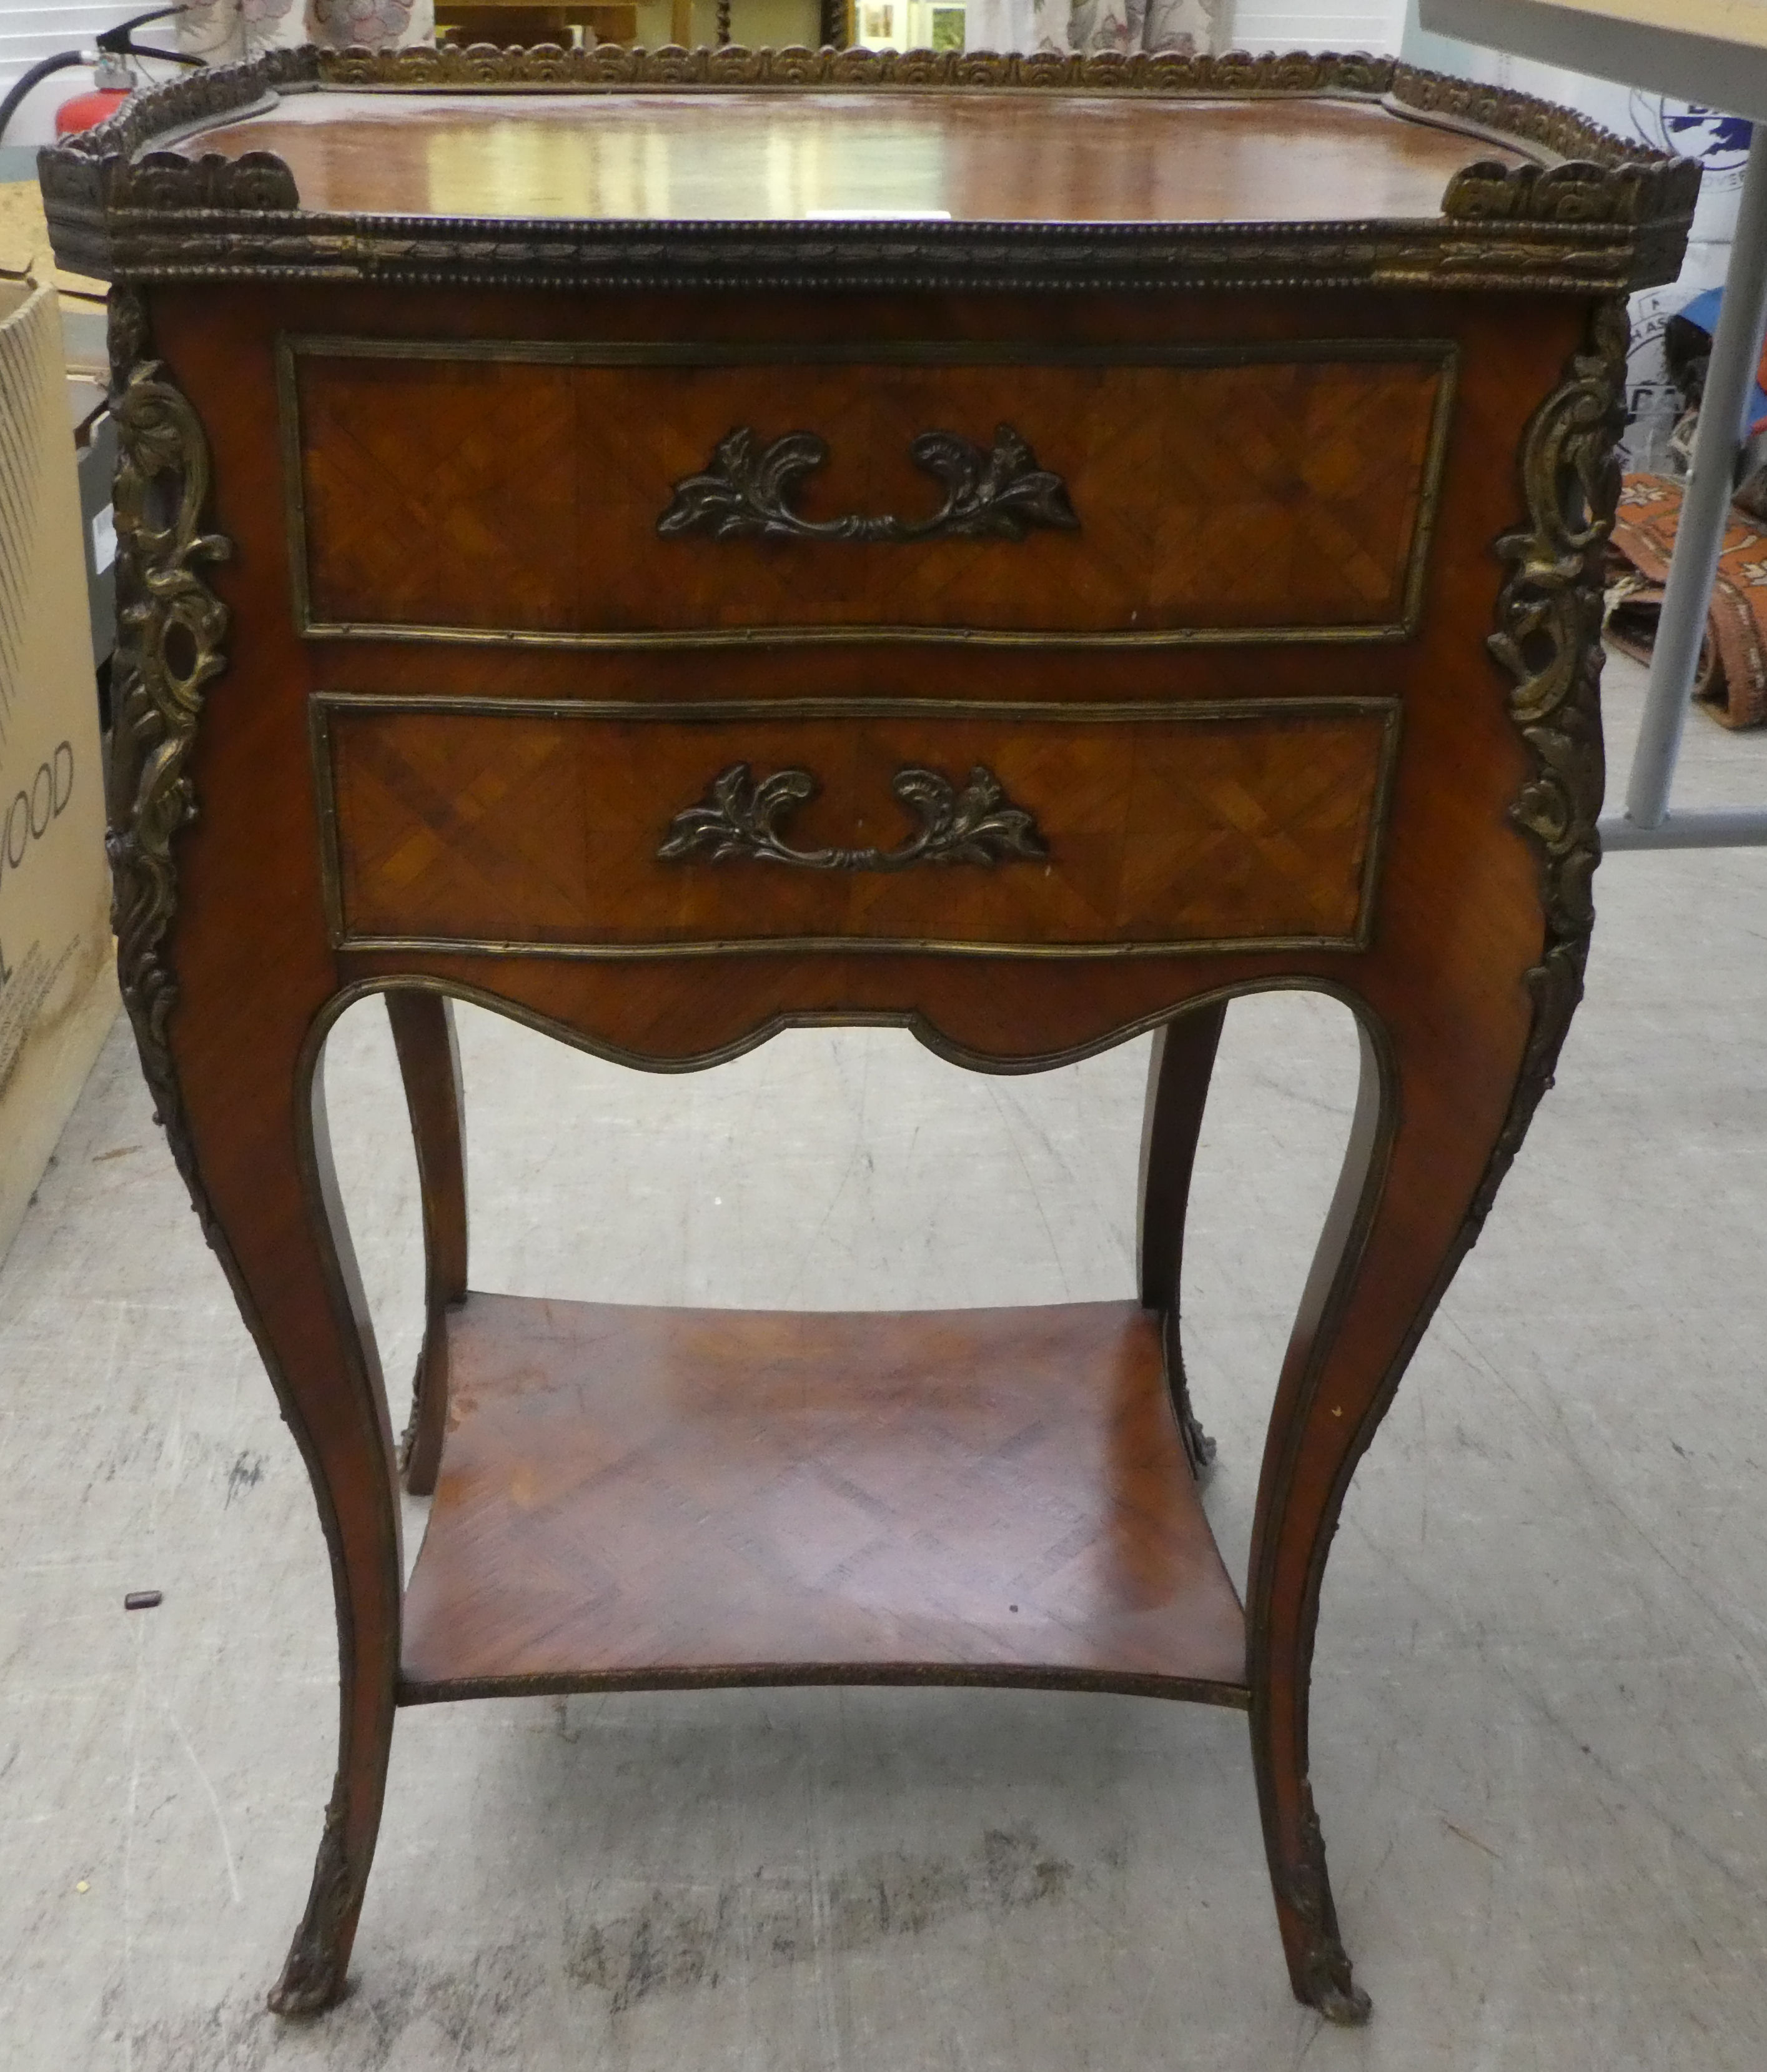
{"x": 1730, "y": 682}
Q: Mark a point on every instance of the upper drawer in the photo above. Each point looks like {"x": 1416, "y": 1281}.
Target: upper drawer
{"x": 659, "y": 495}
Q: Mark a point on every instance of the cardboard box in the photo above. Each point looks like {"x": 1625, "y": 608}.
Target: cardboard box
{"x": 57, "y": 980}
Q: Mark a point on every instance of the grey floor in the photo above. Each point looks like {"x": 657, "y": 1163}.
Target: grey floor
{"x": 1540, "y": 1736}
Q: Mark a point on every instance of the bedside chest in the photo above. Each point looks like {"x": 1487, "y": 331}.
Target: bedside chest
{"x": 673, "y": 546}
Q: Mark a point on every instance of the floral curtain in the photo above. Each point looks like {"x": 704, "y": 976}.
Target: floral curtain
{"x": 1188, "y": 26}
{"x": 224, "y": 30}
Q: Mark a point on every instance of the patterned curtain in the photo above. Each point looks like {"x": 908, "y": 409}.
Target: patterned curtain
{"x": 222, "y": 30}
{"x": 1189, "y": 27}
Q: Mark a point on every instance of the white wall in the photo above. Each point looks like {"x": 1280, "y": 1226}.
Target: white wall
{"x": 1333, "y": 25}
{"x": 39, "y": 31}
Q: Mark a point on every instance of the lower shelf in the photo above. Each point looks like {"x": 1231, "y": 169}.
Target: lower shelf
{"x": 645, "y": 1499}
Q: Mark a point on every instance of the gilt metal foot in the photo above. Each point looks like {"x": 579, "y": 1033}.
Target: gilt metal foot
{"x": 313, "y": 1972}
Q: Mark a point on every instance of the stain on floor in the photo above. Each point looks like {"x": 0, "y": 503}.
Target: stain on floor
{"x": 677, "y": 1941}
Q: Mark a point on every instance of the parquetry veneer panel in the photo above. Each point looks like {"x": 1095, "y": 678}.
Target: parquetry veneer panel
{"x": 633, "y": 1496}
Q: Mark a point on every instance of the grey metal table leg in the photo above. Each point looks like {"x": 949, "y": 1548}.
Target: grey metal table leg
{"x": 1705, "y": 509}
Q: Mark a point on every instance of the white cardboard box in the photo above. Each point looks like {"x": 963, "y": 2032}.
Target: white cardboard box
{"x": 57, "y": 980}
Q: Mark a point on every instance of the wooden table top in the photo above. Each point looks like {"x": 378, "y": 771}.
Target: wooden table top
{"x": 767, "y": 156}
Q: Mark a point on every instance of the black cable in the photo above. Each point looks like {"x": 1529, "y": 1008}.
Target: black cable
{"x": 117, "y": 37}
{"x": 119, "y": 40}
{"x": 22, "y": 85}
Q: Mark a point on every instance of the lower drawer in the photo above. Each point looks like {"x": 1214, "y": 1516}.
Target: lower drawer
{"x": 569, "y": 829}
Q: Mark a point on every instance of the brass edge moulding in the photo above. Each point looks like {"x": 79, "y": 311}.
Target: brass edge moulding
{"x": 863, "y": 352}
{"x": 294, "y": 346}
{"x": 1330, "y": 706}
{"x": 980, "y": 258}
{"x": 861, "y": 635}
{"x": 1192, "y": 1690}
{"x": 321, "y": 704}
{"x": 325, "y": 800}
{"x": 360, "y": 985}
{"x": 472, "y": 945}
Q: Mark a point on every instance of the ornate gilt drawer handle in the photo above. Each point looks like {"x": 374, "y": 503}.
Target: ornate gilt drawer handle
{"x": 1001, "y": 494}
{"x": 740, "y": 813}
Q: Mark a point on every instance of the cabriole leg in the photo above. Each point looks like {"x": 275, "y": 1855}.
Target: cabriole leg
{"x": 1424, "y": 1149}
{"x": 1179, "y": 1076}
{"x": 222, "y": 1033}
{"x": 423, "y": 1035}
{"x": 331, "y": 1390}
{"x": 1313, "y": 1446}
{"x": 257, "y": 1153}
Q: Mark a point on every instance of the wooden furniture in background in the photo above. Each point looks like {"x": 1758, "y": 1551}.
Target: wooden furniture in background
{"x": 498, "y": 21}
{"x": 1163, "y": 563}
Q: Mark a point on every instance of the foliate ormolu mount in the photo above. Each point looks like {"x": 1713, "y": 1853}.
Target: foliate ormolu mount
{"x": 746, "y": 492}
{"x": 740, "y": 816}
{"x": 170, "y": 630}
{"x": 1549, "y": 640}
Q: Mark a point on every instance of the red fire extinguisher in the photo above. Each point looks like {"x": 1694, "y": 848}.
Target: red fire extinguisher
{"x": 86, "y": 111}
{"x": 115, "y": 78}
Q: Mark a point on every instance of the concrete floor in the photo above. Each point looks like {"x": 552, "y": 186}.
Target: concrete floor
{"x": 1540, "y": 1735}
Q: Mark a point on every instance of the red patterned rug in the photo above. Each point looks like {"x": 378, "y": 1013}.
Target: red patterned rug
{"x": 1732, "y": 682}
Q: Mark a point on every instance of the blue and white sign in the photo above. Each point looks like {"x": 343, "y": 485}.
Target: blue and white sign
{"x": 1719, "y": 143}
